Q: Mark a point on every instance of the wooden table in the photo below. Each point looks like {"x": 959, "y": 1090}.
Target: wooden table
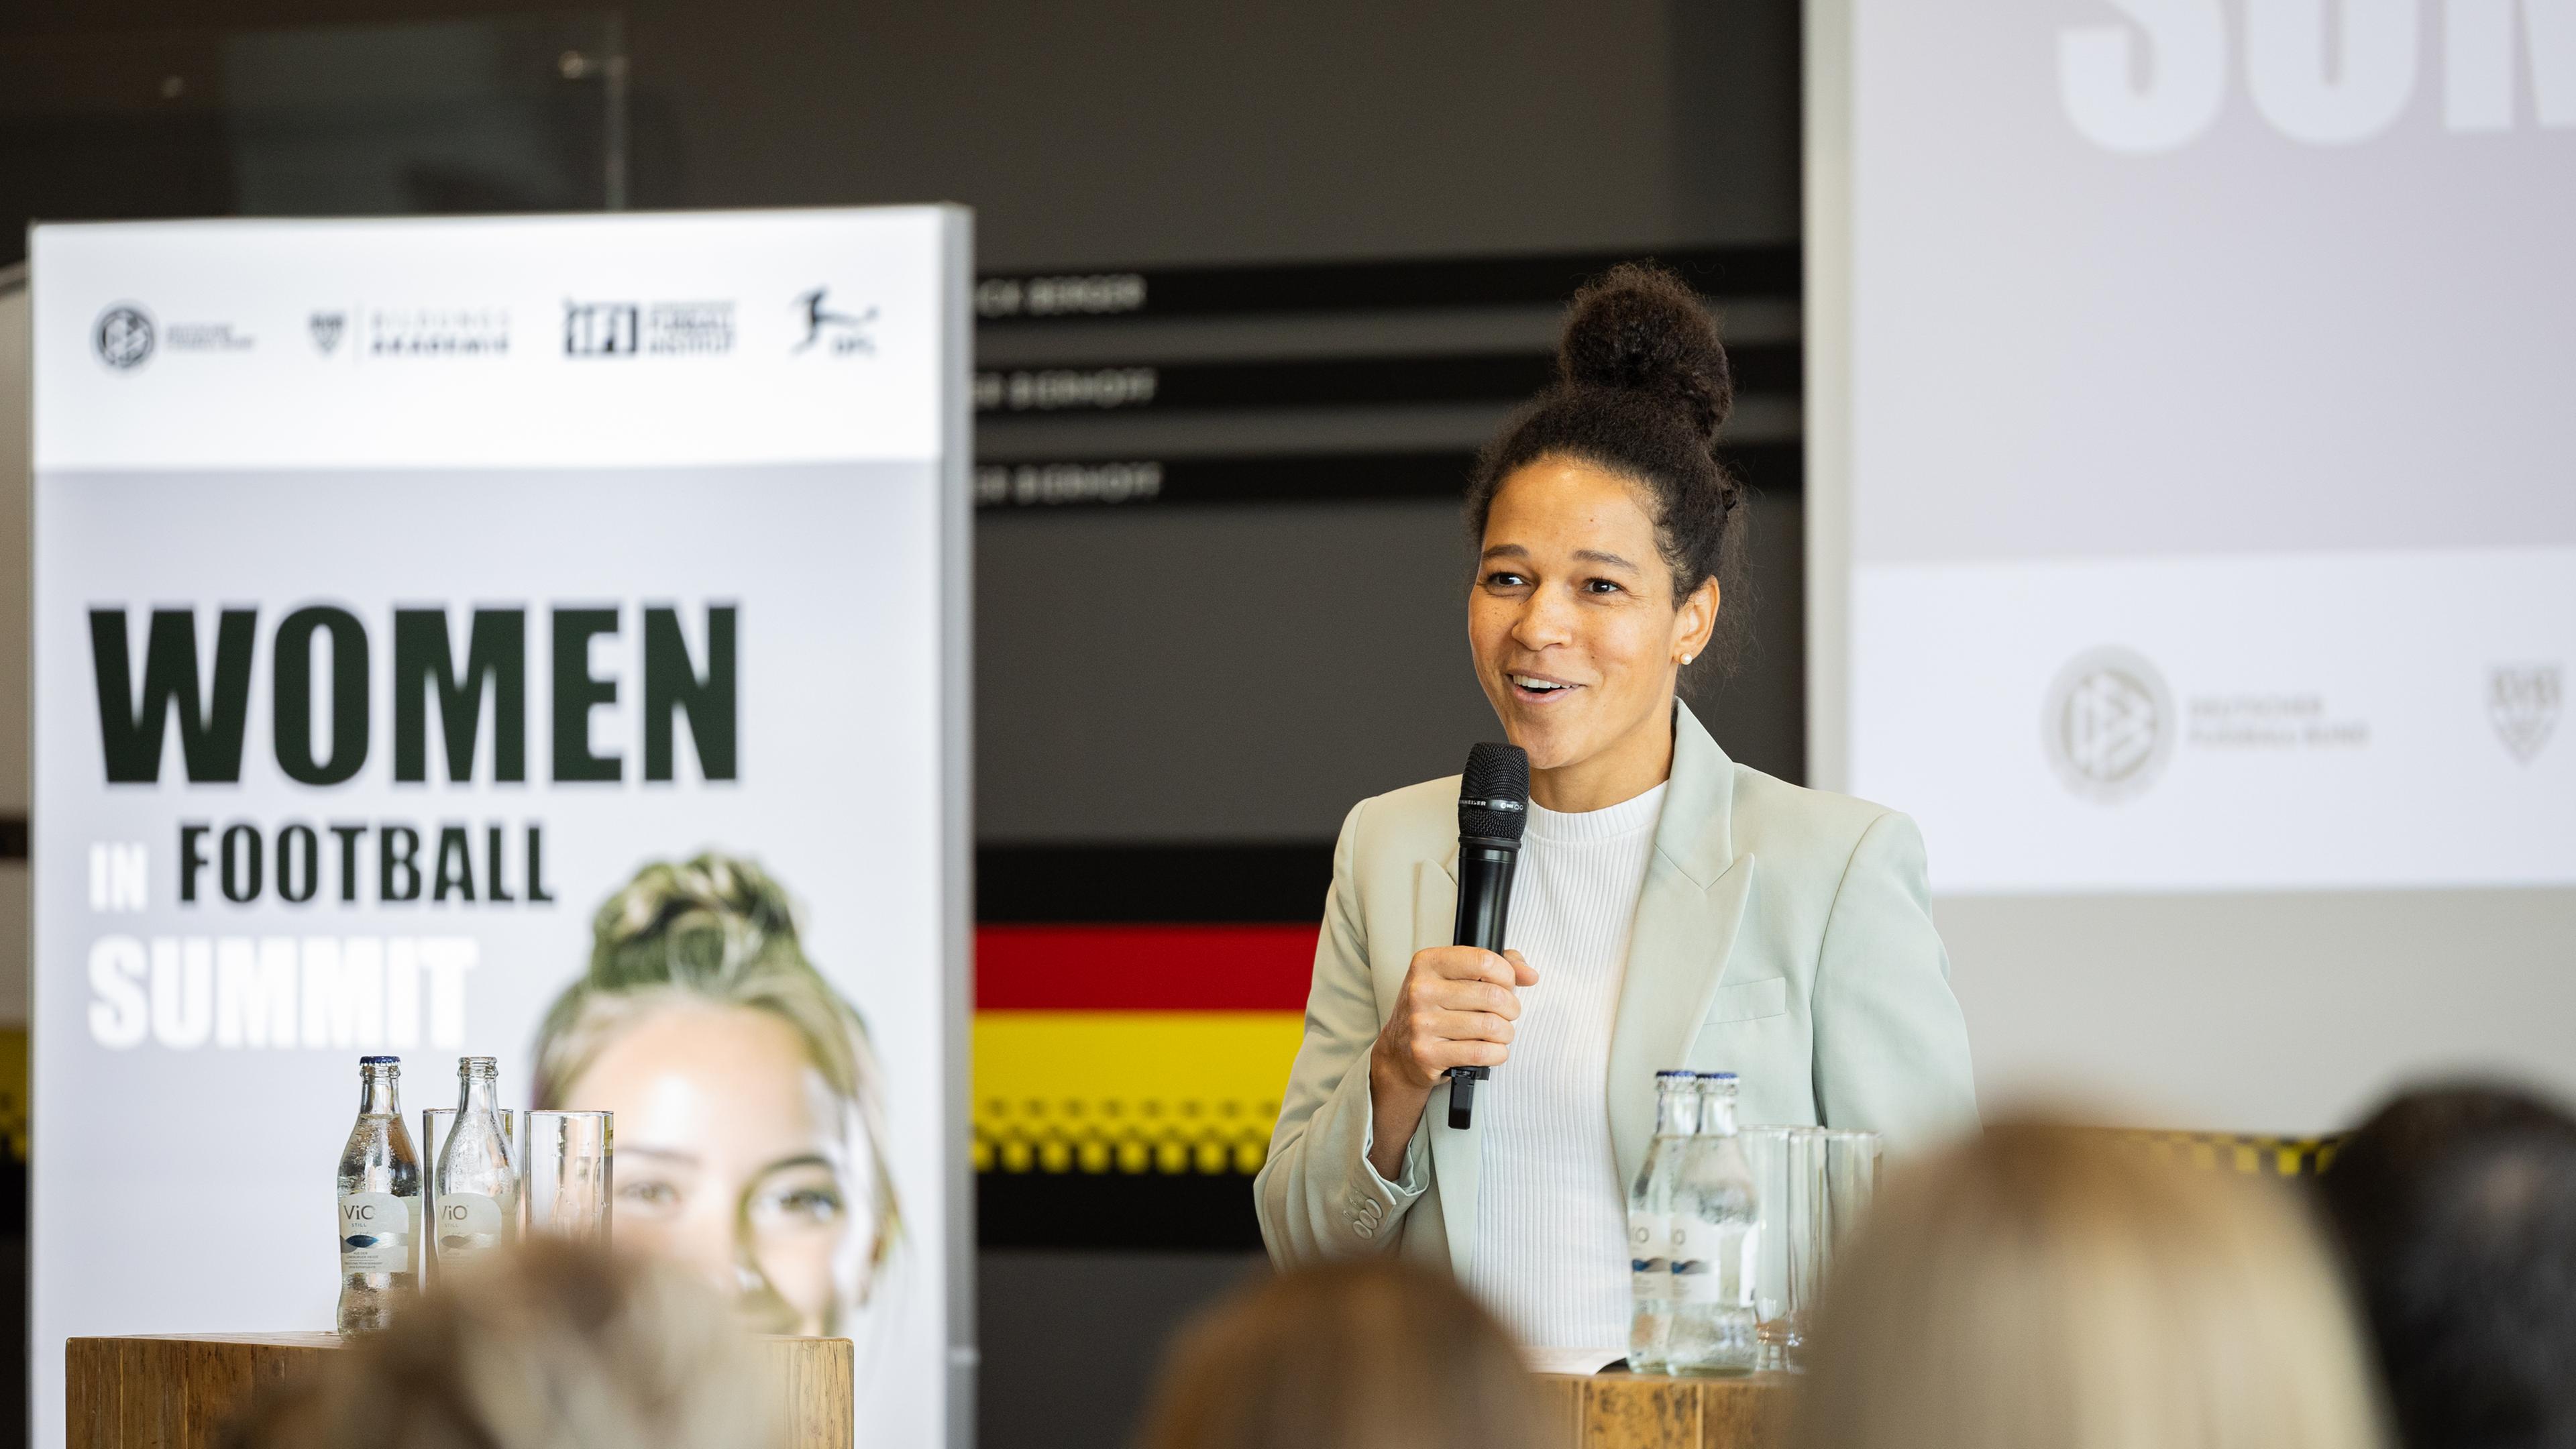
{"x": 173, "y": 1391}
{"x": 1647, "y": 1411}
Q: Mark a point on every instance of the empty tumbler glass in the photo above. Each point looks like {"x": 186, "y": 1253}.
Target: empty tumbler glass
{"x": 567, "y": 1182}
{"x": 1779, "y": 1313}
{"x": 1848, "y": 1162}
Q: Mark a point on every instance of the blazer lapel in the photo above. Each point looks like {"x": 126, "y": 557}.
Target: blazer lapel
{"x": 1455, "y": 1154}
{"x": 1687, "y": 917}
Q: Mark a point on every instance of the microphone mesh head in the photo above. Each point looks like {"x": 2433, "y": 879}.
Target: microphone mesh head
{"x": 1494, "y": 772}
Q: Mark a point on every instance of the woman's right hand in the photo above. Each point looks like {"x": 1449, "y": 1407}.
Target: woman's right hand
{"x": 1456, "y": 1009}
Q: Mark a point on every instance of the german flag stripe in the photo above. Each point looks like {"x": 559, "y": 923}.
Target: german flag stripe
{"x": 1130, "y": 1092}
{"x": 1143, "y": 967}
{"x": 1127, "y": 1073}
{"x": 2254, "y": 1155}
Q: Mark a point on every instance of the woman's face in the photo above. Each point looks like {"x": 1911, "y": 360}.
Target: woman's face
{"x": 735, "y": 1157}
{"x": 1572, "y": 620}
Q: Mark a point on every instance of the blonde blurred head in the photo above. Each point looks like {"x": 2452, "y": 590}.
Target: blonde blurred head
{"x": 2048, "y": 1288}
{"x": 1366, "y": 1355}
{"x": 555, "y": 1347}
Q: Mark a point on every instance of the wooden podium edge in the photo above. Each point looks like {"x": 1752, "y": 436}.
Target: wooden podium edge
{"x": 181, "y": 1391}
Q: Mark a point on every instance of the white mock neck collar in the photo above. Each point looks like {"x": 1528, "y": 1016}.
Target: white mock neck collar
{"x": 1586, "y": 827}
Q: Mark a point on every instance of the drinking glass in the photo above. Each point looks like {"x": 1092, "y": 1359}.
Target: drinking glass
{"x": 1848, "y": 1163}
{"x": 435, "y": 1124}
{"x": 1779, "y": 1308}
{"x": 565, "y": 1176}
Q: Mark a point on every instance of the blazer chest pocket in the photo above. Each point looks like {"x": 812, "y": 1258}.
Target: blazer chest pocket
{"x": 1748, "y": 1001}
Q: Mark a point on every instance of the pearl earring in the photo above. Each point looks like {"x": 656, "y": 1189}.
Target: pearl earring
{"x": 1687, "y": 658}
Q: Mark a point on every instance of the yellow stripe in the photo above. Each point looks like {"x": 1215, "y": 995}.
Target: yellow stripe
{"x": 13, "y": 1092}
{"x": 2244, "y": 1152}
{"x": 1129, "y": 1091}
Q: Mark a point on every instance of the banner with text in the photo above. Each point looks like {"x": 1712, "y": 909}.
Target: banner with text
{"x": 537, "y": 638}
{"x": 2208, "y": 512}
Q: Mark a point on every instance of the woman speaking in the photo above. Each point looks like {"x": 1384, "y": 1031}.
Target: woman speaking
{"x": 1671, "y": 908}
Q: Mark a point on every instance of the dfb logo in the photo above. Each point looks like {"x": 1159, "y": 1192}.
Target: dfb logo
{"x": 2108, "y": 726}
{"x": 123, "y": 336}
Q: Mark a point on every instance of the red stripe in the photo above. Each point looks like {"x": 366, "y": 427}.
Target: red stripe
{"x": 1143, "y": 968}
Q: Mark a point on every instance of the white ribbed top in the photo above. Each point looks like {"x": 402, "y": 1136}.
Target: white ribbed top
{"x": 1551, "y": 1215}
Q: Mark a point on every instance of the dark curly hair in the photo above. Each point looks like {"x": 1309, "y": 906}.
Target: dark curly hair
{"x": 1642, "y": 387}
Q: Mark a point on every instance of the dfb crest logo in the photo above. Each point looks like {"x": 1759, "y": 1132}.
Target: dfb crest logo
{"x": 123, "y": 337}
{"x": 2522, "y": 704}
{"x": 2109, "y": 724}
{"x": 327, "y": 327}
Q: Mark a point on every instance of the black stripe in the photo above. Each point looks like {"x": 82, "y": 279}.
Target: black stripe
{"x": 1775, "y": 468}
{"x": 1195, "y": 882}
{"x": 13, "y": 837}
{"x": 1081, "y": 389}
{"x": 1737, "y": 271}
{"x": 1322, "y": 477}
{"x": 1187, "y": 1212}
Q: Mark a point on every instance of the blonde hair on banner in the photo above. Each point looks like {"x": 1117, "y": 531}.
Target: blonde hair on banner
{"x": 717, "y": 929}
{"x": 2050, "y": 1288}
{"x": 1373, "y": 1354}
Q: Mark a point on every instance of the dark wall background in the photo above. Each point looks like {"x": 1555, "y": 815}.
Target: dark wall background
{"x": 1183, "y": 673}
{"x": 1138, "y": 132}
{"x": 1247, "y": 673}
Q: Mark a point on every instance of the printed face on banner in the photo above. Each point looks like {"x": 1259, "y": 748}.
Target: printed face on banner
{"x": 740, "y": 1154}
{"x": 607, "y": 769}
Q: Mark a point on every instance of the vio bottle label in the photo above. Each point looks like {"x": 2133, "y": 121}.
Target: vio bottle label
{"x": 1708, "y": 1268}
{"x": 468, "y": 1223}
{"x": 1695, "y": 1256}
{"x": 1648, "y": 1237}
{"x": 376, "y": 1232}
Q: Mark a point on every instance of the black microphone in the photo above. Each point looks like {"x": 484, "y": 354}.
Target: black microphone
{"x": 1493, "y": 809}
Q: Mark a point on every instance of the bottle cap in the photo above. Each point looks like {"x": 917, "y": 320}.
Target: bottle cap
{"x": 1659, "y": 1076}
{"x": 378, "y": 1061}
{"x": 1717, "y": 1076}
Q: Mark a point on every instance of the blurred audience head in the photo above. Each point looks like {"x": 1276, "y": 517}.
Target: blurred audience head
{"x": 556, "y": 1347}
{"x": 1366, "y": 1355}
{"x": 2456, "y": 1207}
{"x": 2049, "y": 1288}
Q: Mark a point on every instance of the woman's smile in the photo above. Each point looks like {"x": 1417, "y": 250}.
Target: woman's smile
{"x": 1533, "y": 688}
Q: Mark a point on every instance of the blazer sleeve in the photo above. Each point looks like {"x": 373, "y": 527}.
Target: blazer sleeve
{"x": 1317, "y": 1195}
{"x": 1891, "y": 1053}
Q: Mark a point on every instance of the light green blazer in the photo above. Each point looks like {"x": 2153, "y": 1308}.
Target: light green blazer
{"x": 1783, "y": 934}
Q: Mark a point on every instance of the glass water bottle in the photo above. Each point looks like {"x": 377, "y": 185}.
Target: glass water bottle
{"x": 478, "y": 1183}
{"x": 1650, "y": 1222}
{"x": 379, "y": 1203}
{"x": 1715, "y": 1247}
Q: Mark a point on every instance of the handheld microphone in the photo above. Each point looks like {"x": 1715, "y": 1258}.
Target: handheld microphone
{"x": 1493, "y": 809}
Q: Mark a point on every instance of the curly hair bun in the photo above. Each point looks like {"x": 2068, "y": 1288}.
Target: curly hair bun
{"x": 1642, "y": 329}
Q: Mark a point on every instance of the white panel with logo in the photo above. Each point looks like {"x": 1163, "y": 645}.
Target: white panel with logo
{"x": 2209, "y": 515}
{"x": 407, "y": 594}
